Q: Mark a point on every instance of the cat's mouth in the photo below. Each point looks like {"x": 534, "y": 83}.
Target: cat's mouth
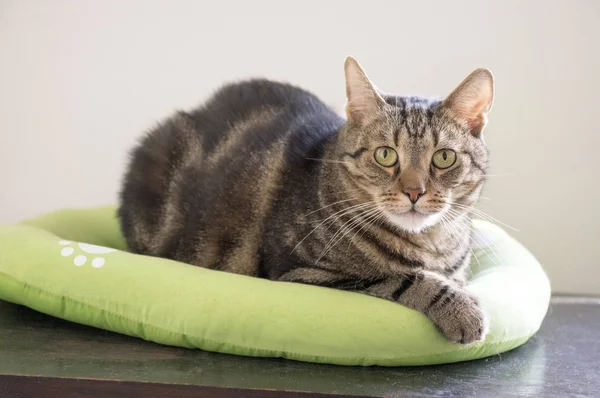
{"x": 413, "y": 220}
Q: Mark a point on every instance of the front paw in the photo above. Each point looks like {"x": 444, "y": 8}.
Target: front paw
{"x": 459, "y": 317}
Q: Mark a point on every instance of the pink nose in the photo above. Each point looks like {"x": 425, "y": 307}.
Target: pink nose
{"x": 414, "y": 194}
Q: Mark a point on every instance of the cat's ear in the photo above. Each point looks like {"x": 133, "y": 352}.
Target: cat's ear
{"x": 363, "y": 97}
{"x": 472, "y": 100}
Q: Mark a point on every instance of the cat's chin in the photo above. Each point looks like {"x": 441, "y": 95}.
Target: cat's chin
{"x": 413, "y": 222}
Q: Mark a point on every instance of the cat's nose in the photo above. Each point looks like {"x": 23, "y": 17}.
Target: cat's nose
{"x": 414, "y": 194}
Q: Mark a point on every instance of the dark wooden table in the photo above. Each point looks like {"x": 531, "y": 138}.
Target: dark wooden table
{"x": 41, "y": 356}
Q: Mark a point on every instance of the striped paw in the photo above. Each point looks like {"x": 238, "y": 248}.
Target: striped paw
{"x": 459, "y": 317}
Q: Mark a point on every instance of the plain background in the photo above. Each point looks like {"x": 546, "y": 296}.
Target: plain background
{"x": 81, "y": 80}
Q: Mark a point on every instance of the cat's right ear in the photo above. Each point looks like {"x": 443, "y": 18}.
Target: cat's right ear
{"x": 472, "y": 100}
{"x": 363, "y": 98}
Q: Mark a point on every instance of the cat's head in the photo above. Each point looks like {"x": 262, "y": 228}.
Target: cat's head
{"x": 420, "y": 160}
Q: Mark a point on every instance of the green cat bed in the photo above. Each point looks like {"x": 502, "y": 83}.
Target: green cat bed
{"x": 71, "y": 264}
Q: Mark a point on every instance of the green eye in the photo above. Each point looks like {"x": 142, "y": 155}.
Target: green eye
{"x": 444, "y": 158}
{"x": 386, "y": 156}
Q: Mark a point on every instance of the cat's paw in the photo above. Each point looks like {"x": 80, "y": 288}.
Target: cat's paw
{"x": 460, "y": 319}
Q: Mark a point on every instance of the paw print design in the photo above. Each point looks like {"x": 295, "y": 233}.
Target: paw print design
{"x": 81, "y": 259}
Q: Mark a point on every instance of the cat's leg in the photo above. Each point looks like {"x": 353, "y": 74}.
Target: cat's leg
{"x": 329, "y": 278}
{"x": 454, "y": 310}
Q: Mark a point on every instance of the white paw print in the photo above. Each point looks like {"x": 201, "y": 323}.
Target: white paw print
{"x": 80, "y": 259}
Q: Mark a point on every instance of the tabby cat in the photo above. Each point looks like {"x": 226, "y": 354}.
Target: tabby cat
{"x": 266, "y": 180}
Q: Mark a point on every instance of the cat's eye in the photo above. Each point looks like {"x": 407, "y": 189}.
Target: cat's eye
{"x": 386, "y": 156}
{"x": 444, "y": 158}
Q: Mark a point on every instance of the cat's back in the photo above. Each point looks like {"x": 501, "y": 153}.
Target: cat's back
{"x": 279, "y": 108}
{"x": 200, "y": 184}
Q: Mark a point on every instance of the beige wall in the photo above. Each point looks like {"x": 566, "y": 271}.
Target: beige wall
{"x": 80, "y": 81}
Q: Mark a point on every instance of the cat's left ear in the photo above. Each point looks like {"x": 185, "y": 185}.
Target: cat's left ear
{"x": 472, "y": 100}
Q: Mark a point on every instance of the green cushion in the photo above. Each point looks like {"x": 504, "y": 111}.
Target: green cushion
{"x": 43, "y": 267}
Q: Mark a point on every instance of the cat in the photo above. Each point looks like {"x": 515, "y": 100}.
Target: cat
{"x": 266, "y": 180}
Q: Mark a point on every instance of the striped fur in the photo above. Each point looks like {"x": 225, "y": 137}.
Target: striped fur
{"x": 266, "y": 180}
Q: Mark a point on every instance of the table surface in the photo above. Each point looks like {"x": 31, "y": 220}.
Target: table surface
{"x": 44, "y": 354}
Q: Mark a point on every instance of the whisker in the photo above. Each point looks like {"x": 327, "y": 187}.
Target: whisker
{"x": 347, "y": 191}
{"x": 355, "y": 207}
{"x": 448, "y": 223}
{"x": 324, "y": 207}
{"x": 368, "y": 222}
{"x": 354, "y": 221}
{"x": 343, "y": 231}
{"x": 465, "y": 224}
{"x": 341, "y": 213}
{"x": 494, "y": 205}
{"x": 487, "y": 242}
{"x": 481, "y": 213}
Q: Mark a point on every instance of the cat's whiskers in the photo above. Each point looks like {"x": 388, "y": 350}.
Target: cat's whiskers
{"x": 329, "y": 218}
{"x": 344, "y": 230}
{"x": 371, "y": 270}
{"x": 453, "y": 224}
{"x": 481, "y": 214}
{"x": 347, "y": 227}
{"x": 448, "y": 223}
{"x": 378, "y": 218}
{"x": 453, "y": 230}
{"x": 368, "y": 222}
{"x": 339, "y": 214}
{"x": 347, "y": 191}
{"x": 466, "y": 224}
{"x": 493, "y": 205}
{"x": 351, "y": 223}
{"x": 329, "y": 205}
